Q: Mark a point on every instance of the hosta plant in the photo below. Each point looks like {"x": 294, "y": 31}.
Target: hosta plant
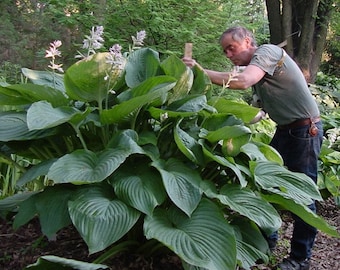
{"x": 136, "y": 154}
{"x": 327, "y": 94}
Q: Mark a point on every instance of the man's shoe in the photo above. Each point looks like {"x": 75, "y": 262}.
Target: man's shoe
{"x": 292, "y": 264}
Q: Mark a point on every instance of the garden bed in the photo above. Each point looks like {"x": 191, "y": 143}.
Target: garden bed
{"x": 24, "y": 246}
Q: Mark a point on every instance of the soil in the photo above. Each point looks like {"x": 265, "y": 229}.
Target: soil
{"x": 23, "y": 247}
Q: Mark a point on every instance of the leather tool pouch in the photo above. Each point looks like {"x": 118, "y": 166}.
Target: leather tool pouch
{"x": 313, "y": 129}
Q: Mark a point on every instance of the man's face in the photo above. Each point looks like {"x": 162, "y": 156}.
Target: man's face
{"x": 237, "y": 51}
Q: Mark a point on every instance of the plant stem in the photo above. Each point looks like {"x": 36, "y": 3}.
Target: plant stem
{"x": 55, "y": 146}
{"x": 11, "y": 162}
{"x": 80, "y": 136}
{"x": 114, "y": 250}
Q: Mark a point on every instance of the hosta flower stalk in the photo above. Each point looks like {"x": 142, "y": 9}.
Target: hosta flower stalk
{"x": 52, "y": 53}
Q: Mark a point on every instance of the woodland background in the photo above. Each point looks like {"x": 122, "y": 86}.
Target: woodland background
{"x": 310, "y": 28}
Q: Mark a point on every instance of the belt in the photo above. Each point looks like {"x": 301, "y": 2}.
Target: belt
{"x": 300, "y": 123}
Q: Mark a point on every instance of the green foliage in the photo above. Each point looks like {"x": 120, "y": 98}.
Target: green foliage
{"x": 57, "y": 263}
{"x": 28, "y": 27}
{"x": 142, "y": 154}
{"x": 10, "y": 73}
{"x": 327, "y": 94}
{"x": 331, "y": 61}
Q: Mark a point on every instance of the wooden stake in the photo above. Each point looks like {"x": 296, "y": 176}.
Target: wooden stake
{"x": 188, "y": 50}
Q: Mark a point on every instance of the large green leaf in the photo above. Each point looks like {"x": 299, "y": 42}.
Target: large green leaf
{"x": 247, "y": 255}
{"x": 124, "y": 111}
{"x": 188, "y": 145}
{"x": 141, "y": 65}
{"x": 247, "y": 231}
{"x": 240, "y": 110}
{"x": 27, "y": 210}
{"x": 47, "y": 78}
{"x": 182, "y": 184}
{"x": 11, "y": 203}
{"x": 232, "y": 135}
{"x": 237, "y": 169}
{"x": 99, "y": 218}
{"x": 35, "y": 171}
{"x": 261, "y": 151}
{"x": 185, "y": 107}
{"x": 247, "y": 203}
{"x": 251, "y": 244}
{"x": 17, "y": 94}
{"x": 191, "y": 103}
{"x": 51, "y": 262}
{"x": 127, "y": 139}
{"x": 51, "y": 207}
{"x": 218, "y": 120}
{"x": 139, "y": 186}
{"x": 14, "y": 128}
{"x": 291, "y": 185}
{"x": 175, "y": 67}
{"x": 84, "y": 166}
{"x": 205, "y": 239}
{"x": 232, "y": 146}
{"x": 85, "y": 80}
{"x": 12, "y": 98}
{"x": 41, "y": 115}
{"x": 202, "y": 83}
{"x": 153, "y": 84}
{"x": 228, "y": 132}
{"x": 304, "y": 213}
{"x": 157, "y": 113}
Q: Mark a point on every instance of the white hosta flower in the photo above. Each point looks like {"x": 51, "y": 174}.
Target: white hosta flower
{"x": 53, "y": 52}
{"x": 56, "y": 67}
{"x": 93, "y": 42}
{"x": 138, "y": 41}
{"x": 115, "y": 57}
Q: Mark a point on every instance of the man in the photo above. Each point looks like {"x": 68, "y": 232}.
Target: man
{"x": 285, "y": 96}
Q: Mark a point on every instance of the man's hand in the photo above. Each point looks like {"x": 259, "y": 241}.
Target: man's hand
{"x": 259, "y": 116}
{"x": 191, "y": 62}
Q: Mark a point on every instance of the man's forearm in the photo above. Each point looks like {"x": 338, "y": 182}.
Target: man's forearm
{"x": 216, "y": 77}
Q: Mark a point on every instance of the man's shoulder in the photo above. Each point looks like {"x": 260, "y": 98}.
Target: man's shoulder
{"x": 266, "y": 57}
{"x": 269, "y": 51}
{"x": 268, "y": 47}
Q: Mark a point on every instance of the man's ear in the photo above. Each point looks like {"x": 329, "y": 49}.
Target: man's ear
{"x": 247, "y": 40}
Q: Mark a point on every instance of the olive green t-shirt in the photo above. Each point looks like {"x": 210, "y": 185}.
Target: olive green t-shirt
{"x": 283, "y": 91}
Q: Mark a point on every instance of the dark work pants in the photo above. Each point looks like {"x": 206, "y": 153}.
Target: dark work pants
{"x": 300, "y": 152}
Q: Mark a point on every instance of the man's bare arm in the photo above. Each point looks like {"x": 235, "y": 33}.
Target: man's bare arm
{"x": 243, "y": 80}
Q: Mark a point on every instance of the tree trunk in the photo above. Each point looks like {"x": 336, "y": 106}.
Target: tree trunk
{"x": 304, "y": 25}
{"x": 307, "y": 11}
{"x": 319, "y": 41}
{"x": 287, "y": 15}
{"x": 274, "y": 18}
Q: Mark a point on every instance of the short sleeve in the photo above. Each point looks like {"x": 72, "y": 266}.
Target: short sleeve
{"x": 266, "y": 58}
